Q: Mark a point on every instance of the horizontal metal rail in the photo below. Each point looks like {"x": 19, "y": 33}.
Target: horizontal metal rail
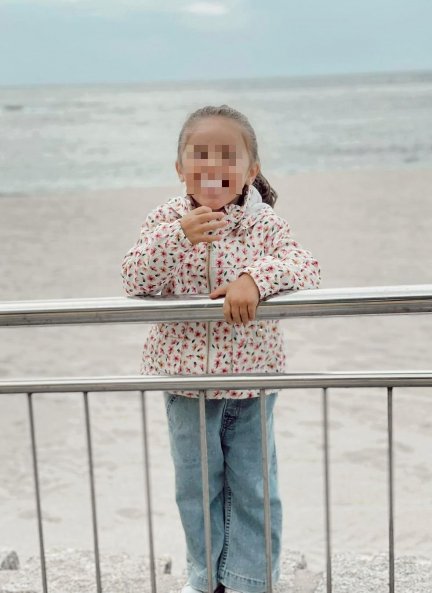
{"x": 306, "y": 303}
{"x": 322, "y": 302}
{"x": 364, "y": 379}
{"x": 408, "y": 378}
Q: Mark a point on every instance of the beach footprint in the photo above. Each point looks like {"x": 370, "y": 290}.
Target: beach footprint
{"x": 130, "y": 513}
{"x": 31, "y": 514}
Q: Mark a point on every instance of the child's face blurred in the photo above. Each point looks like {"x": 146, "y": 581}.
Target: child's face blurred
{"x": 215, "y": 162}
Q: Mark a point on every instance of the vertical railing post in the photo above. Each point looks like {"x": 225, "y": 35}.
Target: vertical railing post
{"x": 148, "y": 493}
{"x": 390, "y": 487}
{"x": 266, "y": 492}
{"x": 327, "y": 491}
{"x": 205, "y": 484}
{"x": 37, "y": 491}
{"x": 92, "y": 493}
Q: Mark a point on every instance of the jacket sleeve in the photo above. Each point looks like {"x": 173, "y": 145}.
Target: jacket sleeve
{"x": 285, "y": 264}
{"x": 152, "y": 261}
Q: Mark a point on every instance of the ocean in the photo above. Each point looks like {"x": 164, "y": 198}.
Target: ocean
{"x": 68, "y": 138}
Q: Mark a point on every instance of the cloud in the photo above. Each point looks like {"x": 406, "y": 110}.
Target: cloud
{"x": 224, "y": 17}
{"x": 207, "y": 8}
{"x": 198, "y": 11}
{"x": 125, "y": 6}
{"x": 129, "y": 5}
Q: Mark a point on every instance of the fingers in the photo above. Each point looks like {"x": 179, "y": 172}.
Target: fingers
{"x": 202, "y": 209}
{"x": 215, "y": 224}
{"x": 251, "y": 311}
{"x": 240, "y": 303}
{"x": 227, "y": 311}
{"x": 209, "y": 231}
{"x": 239, "y": 313}
{"x": 243, "y": 314}
{"x": 208, "y": 216}
{"x": 202, "y": 224}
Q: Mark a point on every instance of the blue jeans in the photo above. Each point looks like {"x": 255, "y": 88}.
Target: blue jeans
{"x": 235, "y": 485}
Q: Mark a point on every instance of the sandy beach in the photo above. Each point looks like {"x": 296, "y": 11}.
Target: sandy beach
{"x": 366, "y": 228}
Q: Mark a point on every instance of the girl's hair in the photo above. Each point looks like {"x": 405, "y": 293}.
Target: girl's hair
{"x": 268, "y": 194}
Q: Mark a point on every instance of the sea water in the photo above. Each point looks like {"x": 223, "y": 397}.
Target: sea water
{"x": 60, "y": 138}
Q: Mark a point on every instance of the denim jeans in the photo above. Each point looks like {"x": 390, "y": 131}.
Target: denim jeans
{"x": 235, "y": 486}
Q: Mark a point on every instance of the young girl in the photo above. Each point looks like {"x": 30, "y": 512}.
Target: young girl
{"x": 221, "y": 238}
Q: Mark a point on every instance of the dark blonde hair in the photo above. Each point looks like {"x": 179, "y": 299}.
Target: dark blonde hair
{"x": 268, "y": 194}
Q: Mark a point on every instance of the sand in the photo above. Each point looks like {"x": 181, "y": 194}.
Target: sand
{"x": 366, "y": 227}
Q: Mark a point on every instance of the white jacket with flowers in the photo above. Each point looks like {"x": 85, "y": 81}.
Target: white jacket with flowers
{"x": 256, "y": 241}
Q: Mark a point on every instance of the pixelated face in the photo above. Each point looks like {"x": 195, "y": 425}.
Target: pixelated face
{"x": 215, "y": 162}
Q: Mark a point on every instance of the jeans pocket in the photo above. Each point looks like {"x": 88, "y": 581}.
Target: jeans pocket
{"x": 170, "y": 398}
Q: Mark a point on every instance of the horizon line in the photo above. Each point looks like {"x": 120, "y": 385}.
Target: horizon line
{"x": 186, "y": 81}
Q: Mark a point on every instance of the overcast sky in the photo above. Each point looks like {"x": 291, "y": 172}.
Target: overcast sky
{"x": 96, "y": 41}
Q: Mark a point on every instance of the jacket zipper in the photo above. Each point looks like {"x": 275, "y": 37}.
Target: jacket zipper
{"x": 233, "y": 330}
{"x": 209, "y": 252}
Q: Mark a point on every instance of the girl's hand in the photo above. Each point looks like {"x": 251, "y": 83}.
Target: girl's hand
{"x": 199, "y": 222}
{"x": 241, "y": 299}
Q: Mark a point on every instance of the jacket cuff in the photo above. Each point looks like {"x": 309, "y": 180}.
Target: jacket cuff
{"x": 263, "y": 283}
{"x": 177, "y": 237}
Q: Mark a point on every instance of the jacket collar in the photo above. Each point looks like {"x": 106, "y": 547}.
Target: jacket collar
{"x": 244, "y": 214}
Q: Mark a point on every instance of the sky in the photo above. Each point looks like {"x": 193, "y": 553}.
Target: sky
{"x": 132, "y": 41}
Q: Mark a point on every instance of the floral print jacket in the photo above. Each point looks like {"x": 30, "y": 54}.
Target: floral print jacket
{"x": 256, "y": 241}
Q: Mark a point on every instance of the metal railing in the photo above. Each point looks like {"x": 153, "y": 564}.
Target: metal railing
{"x": 321, "y": 302}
